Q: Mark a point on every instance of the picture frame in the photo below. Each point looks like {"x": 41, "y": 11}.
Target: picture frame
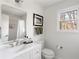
{"x": 11, "y": 26}
{"x": 37, "y": 20}
{"x": 38, "y": 30}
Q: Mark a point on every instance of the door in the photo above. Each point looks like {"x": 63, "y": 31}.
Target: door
{"x": 13, "y": 23}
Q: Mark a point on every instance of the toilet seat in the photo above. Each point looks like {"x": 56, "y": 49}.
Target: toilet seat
{"x": 48, "y": 52}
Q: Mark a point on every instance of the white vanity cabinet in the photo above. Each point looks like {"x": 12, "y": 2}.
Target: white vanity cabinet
{"x": 37, "y": 52}
{"x": 30, "y": 53}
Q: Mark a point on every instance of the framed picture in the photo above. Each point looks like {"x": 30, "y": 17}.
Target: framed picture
{"x": 11, "y": 26}
{"x": 38, "y": 30}
{"x": 37, "y": 20}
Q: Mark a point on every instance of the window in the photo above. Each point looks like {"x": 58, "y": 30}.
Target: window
{"x": 68, "y": 20}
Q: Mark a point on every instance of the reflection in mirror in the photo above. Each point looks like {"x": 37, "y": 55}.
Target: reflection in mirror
{"x": 0, "y": 32}
{"x": 4, "y": 26}
{"x": 13, "y": 23}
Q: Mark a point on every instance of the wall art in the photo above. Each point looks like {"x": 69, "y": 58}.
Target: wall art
{"x": 37, "y": 20}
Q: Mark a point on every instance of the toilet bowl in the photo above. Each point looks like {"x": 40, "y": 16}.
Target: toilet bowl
{"x": 48, "y": 54}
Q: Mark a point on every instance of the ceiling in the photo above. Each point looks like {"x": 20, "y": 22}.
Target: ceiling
{"x": 47, "y": 3}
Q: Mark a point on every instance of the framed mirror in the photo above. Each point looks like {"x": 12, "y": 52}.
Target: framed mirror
{"x": 13, "y": 23}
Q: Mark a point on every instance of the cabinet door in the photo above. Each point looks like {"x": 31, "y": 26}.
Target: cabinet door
{"x": 25, "y": 55}
{"x": 37, "y": 52}
{"x": 37, "y": 56}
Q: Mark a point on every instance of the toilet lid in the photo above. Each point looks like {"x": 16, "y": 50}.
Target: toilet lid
{"x": 48, "y": 52}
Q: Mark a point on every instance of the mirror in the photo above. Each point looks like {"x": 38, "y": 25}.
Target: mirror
{"x": 13, "y": 23}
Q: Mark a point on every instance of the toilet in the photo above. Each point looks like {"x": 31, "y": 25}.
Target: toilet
{"x": 48, "y": 54}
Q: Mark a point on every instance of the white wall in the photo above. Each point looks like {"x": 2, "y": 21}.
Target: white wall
{"x": 30, "y": 8}
{"x": 4, "y": 27}
{"x": 68, "y": 40}
{"x": 30, "y": 28}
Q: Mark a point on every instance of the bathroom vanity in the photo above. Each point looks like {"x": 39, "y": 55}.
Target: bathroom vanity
{"x": 24, "y": 51}
{"x": 33, "y": 51}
